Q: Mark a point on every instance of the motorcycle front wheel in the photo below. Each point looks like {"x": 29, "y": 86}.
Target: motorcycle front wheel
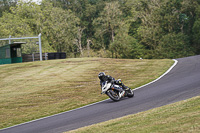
{"x": 130, "y": 93}
{"x": 113, "y": 95}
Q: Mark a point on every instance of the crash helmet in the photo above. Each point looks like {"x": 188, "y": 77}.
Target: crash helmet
{"x": 119, "y": 81}
{"x": 101, "y": 75}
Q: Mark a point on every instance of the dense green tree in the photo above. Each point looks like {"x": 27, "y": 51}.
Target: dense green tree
{"x": 125, "y": 28}
{"x": 196, "y": 33}
{"x": 11, "y": 24}
{"x": 59, "y": 26}
{"x": 6, "y": 4}
{"x": 175, "y": 45}
{"x": 109, "y": 21}
{"x": 126, "y": 46}
{"x": 155, "y": 19}
{"x": 30, "y": 12}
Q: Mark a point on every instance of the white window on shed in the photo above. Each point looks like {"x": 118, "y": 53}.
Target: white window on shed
{"x": 19, "y": 52}
{"x": 7, "y": 53}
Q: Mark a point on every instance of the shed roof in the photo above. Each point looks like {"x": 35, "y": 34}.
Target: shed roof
{"x": 17, "y": 43}
{"x": 14, "y": 44}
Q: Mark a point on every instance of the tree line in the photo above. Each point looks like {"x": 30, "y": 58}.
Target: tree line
{"x": 107, "y": 28}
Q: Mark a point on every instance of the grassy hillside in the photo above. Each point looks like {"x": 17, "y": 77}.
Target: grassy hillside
{"x": 33, "y": 90}
{"x": 180, "y": 117}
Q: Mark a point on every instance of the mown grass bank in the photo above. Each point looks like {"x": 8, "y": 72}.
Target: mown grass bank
{"x": 33, "y": 90}
{"x": 180, "y": 117}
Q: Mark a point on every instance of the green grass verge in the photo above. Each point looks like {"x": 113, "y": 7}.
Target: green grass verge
{"x": 180, "y": 117}
{"x": 33, "y": 90}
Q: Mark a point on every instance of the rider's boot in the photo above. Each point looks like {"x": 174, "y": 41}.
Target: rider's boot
{"x": 128, "y": 89}
{"x": 125, "y": 88}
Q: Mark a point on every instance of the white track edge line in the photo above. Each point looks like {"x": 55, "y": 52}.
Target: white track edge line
{"x": 175, "y": 63}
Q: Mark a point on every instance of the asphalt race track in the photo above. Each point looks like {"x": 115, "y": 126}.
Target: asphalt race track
{"x": 182, "y": 82}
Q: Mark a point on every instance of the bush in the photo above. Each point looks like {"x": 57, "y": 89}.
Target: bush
{"x": 175, "y": 45}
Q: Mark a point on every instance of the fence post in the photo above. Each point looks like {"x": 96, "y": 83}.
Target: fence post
{"x": 45, "y": 55}
{"x": 40, "y": 46}
{"x": 9, "y": 39}
{"x": 33, "y": 57}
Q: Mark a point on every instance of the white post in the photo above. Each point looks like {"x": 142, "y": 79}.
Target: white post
{"x": 46, "y": 55}
{"x": 40, "y": 46}
{"x": 33, "y": 57}
{"x": 9, "y": 39}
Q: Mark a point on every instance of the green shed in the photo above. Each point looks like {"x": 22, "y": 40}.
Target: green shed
{"x": 11, "y": 53}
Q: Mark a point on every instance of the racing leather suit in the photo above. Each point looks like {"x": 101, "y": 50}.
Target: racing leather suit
{"x": 110, "y": 79}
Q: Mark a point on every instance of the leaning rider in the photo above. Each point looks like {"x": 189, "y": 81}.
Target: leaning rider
{"x": 103, "y": 77}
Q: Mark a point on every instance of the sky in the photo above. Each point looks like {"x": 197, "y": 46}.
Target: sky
{"x": 37, "y": 1}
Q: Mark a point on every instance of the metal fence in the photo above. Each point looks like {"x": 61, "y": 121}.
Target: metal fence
{"x": 45, "y": 56}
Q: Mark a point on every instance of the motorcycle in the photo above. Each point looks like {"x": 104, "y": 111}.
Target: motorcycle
{"x": 114, "y": 92}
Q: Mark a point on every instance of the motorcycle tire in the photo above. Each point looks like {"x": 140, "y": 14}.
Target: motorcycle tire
{"x": 130, "y": 93}
{"x": 114, "y": 98}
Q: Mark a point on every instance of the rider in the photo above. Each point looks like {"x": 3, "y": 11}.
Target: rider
{"x": 103, "y": 77}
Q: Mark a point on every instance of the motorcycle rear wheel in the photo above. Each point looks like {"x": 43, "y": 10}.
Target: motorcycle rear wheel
{"x": 113, "y": 95}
